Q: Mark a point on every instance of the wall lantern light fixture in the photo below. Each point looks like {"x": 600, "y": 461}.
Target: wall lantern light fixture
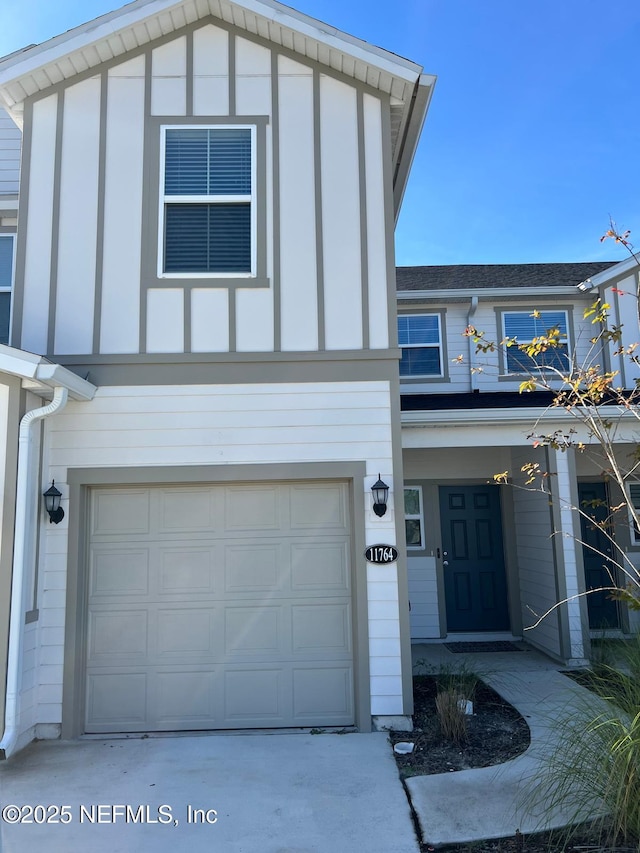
{"x": 52, "y": 504}
{"x": 380, "y": 493}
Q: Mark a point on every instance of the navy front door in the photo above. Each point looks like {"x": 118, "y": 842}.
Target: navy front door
{"x": 596, "y": 547}
{"x": 473, "y": 560}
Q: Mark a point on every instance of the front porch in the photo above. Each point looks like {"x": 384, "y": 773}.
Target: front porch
{"x": 507, "y": 561}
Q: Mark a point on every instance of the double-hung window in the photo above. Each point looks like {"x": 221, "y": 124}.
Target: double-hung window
{"x": 7, "y": 249}
{"x": 207, "y": 202}
{"x": 524, "y": 327}
{"x": 420, "y": 337}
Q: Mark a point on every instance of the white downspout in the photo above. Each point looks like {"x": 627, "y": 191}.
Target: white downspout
{"x": 25, "y": 491}
{"x": 472, "y": 347}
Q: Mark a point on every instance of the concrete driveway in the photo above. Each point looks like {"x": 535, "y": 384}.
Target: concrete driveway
{"x": 281, "y": 793}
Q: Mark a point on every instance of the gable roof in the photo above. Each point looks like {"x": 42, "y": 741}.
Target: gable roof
{"x": 496, "y": 276}
{"x": 38, "y": 67}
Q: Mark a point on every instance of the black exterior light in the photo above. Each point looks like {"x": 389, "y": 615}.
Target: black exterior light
{"x": 52, "y": 504}
{"x": 380, "y": 493}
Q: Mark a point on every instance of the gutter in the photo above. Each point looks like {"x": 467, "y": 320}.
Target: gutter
{"x": 24, "y": 525}
{"x": 492, "y": 293}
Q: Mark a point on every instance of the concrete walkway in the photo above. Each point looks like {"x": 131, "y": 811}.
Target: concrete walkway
{"x": 280, "y": 793}
{"x": 484, "y": 803}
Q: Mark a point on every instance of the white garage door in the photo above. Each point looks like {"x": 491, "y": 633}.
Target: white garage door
{"x": 216, "y": 607}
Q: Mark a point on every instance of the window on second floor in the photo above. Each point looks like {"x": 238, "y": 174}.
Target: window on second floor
{"x": 207, "y": 203}
{"x": 524, "y": 327}
{"x": 7, "y": 248}
{"x": 420, "y": 337}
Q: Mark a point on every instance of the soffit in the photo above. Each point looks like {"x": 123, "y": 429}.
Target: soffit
{"x": 38, "y": 67}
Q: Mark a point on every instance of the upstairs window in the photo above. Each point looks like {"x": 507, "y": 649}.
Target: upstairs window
{"x": 420, "y": 337}
{"x": 207, "y": 215}
{"x": 524, "y": 327}
{"x": 7, "y": 242}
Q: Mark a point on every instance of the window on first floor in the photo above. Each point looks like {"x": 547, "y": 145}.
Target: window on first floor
{"x": 524, "y": 327}
{"x": 633, "y": 490}
{"x": 413, "y": 517}
{"x": 7, "y": 252}
{"x": 207, "y": 202}
{"x": 420, "y": 337}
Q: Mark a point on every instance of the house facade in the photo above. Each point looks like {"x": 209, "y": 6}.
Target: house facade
{"x": 203, "y": 361}
{"x": 487, "y": 560}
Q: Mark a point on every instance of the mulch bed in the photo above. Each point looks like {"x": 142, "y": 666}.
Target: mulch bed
{"x": 496, "y": 732}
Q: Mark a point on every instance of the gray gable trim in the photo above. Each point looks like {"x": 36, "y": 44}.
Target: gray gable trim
{"x": 496, "y": 276}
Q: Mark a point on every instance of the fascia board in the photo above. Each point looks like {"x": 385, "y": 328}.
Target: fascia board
{"x": 492, "y": 293}
{"x": 31, "y": 59}
{"x": 419, "y": 107}
{"x": 609, "y": 275}
{"x": 485, "y": 417}
{"x": 40, "y": 375}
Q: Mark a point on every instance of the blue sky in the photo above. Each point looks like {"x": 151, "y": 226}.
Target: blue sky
{"x": 533, "y": 135}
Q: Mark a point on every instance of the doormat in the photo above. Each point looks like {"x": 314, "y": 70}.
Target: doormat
{"x": 497, "y": 646}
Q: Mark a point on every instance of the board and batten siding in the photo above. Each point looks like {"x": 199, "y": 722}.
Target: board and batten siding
{"x": 221, "y": 425}
{"x": 10, "y": 144}
{"x": 88, "y": 284}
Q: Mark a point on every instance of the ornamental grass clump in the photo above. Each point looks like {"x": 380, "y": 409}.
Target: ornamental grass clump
{"x": 456, "y": 686}
{"x": 593, "y": 773}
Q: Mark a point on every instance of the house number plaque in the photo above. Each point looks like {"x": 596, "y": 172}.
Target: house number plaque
{"x": 380, "y": 555}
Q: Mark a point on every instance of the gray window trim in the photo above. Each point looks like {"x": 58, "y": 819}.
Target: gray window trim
{"x": 503, "y": 374}
{"x": 444, "y": 357}
{"x": 151, "y": 204}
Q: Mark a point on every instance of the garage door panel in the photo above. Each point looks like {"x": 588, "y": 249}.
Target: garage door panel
{"x": 118, "y": 572}
{"x": 117, "y": 699}
{"x": 185, "y": 698}
{"x": 120, "y": 511}
{"x": 188, "y": 510}
{"x": 320, "y": 628}
{"x": 315, "y": 507}
{"x": 201, "y": 623}
{"x": 323, "y": 693}
{"x": 256, "y": 631}
{"x": 255, "y": 567}
{"x": 322, "y": 566}
{"x": 254, "y": 697}
{"x": 121, "y": 634}
{"x": 252, "y": 509}
{"x": 186, "y": 570}
{"x": 185, "y": 631}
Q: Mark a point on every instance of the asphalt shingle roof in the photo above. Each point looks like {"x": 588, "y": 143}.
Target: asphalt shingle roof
{"x": 480, "y": 276}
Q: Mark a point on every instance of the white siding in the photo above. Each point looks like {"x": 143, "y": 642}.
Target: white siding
{"x": 10, "y": 143}
{"x": 120, "y": 319}
{"x": 78, "y": 224}
{"x": 376, "y": 228}
{"x": 207, "y": 425}
{"x": 253, "y": 78}
{"x": 210, "y": 71}
{"x": 165, "y": 320}
{"x": 254, "y": 320}
{"x": 37, "y": 274}
{"x": 169, "y": 78}
{"x": 627, "y": 316}
{"x": 340, "y": 215}
{"x": 536, "y": 562}
{"x": 209, "y": 320}
{"x": 298, "y": 263}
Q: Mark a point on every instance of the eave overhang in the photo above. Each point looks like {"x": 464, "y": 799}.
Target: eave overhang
{"x": 610, "y": 276}
{"x": 42, "y": 376}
